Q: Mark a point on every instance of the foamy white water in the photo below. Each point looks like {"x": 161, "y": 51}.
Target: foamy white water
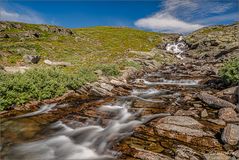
{"x": 177, "y": 48}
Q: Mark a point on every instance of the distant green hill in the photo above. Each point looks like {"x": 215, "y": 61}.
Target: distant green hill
{"x": 81, "y": 47}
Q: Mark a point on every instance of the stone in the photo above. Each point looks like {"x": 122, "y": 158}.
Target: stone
{"x": 204, "y": 113}
{"x": 16, "y": 69}
{"x": 216, "y": 156}
{"x": 51, "y": 63}
{"x": 182, "y": 112}
{"x": 217, "y": 121}
{"x": 149, "y": 155}
{"x": 230, "y": 94}
{"x": 186, "y": 153}
{"x": 230, "y": 134}
{"x": 228, "y": 115}
{"x": 215, "y": 102}
{"x": 187, "y": 130}
{"x": 99, "y": 72}
{"x": 106, "y": 86}
{"x": 236, "y": 154}
{"x": 31, "y": 59}
{"x": 181, "y": 121}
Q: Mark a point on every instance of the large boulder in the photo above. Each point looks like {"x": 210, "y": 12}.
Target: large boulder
{"x": 230, "y": 134}
{"x": 230, "y": 94}
{"x": 214, "y": 101}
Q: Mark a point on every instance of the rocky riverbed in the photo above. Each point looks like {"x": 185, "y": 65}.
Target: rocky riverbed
{"x": 177, "y": 111}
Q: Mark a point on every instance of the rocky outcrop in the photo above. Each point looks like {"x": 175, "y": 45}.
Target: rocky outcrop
{"x": 214, "y": 42}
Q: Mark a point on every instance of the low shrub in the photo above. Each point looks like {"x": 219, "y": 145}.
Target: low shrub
{"x": 230, "y": 71}
{"x": 38, "y": 84}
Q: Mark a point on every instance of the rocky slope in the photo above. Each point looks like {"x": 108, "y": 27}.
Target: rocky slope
{"x": 181, "y": 110}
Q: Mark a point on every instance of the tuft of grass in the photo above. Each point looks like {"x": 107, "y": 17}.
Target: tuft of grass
{"x": 109, "y": 69}
{"x": 131, "y": 64}
{"x": 39, "y": 84}
{"x": 230, "y": 71}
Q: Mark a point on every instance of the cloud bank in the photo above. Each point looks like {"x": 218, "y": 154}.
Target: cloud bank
{"x": 183, "y": 16}
{"x": 19, "y": 14}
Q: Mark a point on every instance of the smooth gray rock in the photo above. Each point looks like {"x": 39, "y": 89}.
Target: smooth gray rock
{"x": 230, "y": 134}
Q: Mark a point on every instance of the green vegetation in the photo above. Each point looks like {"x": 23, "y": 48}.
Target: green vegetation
{"x": 38, "y": 84}
{"x": 94, "y": 48}
{"x": 230, "y": 71}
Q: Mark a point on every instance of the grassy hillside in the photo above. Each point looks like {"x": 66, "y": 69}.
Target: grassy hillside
{"x": 88, "y": 49}
{"x": 86, "y": 45}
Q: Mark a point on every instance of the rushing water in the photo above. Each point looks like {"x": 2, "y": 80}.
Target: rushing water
{"x": 177, "y": 47}
{"x": 87, "y": 142}
{"x": 93, "y": 141}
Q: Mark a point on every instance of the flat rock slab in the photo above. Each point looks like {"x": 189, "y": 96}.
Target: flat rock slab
{"x": 181, "y": 121}
{"x": 148, "y": 155}
{"x": 216, "y": 156}
{"x": 185, "y": 129}
{"x": 215, "y": 102}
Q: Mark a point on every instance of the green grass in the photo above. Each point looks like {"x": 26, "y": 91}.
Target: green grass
{"x": 94, "y": 48}
{"x": 230, "y": 71}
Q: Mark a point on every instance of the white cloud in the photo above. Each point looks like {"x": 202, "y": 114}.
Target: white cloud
{"x": 19, "y": 14}
{"x": 183, "y": 16}
{"x": 166, "y": 23}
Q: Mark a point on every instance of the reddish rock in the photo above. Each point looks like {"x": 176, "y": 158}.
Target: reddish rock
{"x": 228, "y": 115}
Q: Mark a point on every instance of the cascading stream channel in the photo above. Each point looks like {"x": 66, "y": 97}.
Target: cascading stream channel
{"x": 92, "y": 142}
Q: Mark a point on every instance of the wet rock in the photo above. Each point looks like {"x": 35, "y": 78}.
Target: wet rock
{"x": 230, "y": 94}
{"x": 181, "y": 112}
{"x": 216, "y": 156}
{"x": 185, "y": 129}
{"x": 31, "y": 59}
{"x": 204, "y": 113}
{"x": 186, "y": 153}
{"x": 215, "y": 102}
{"x": 228, "y": 115}
{"x": 51, "y": 63}
{"x": 230, "y": 134}
{"x": 148, "y": 155}
{"x": 217, "y": 121}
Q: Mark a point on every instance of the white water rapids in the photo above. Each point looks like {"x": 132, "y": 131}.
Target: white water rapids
{"x": 177, "y": 47}
{"x": 89, "y": 142}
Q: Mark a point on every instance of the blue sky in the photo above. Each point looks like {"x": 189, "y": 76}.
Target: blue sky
{"x": 163, "y": 15}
